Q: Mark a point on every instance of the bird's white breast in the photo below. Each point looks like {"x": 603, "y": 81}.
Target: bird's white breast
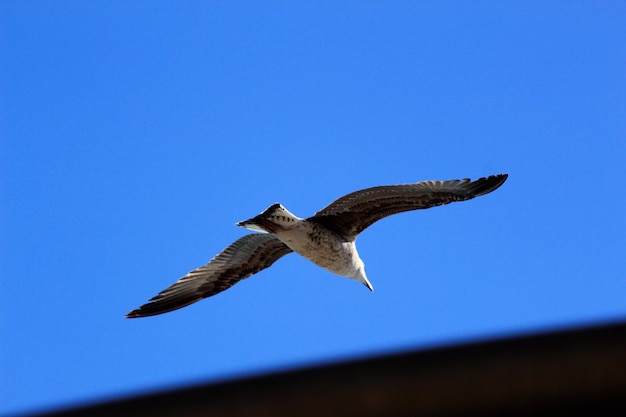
{"x": 322, "y": 247}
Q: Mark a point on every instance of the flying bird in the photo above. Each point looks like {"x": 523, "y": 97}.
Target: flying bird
{"x": 327, "y": 238}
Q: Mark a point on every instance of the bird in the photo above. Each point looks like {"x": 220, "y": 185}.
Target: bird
{"x": 327, "y": 238}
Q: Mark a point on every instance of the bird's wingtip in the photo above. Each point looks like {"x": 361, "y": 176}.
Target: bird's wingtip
{"x": 132, "y": 315}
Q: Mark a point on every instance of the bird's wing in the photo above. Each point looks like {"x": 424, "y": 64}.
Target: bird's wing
{"x": 351, "y": 214}
{"x": 243, "y": 258}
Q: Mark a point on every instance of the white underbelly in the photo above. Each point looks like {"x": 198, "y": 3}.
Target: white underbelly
{"x": 325, "y": 250}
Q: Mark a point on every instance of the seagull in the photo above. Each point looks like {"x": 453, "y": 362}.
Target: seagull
{"x": 327, "y": 238}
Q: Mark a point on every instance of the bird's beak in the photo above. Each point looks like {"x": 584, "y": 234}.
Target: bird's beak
{"x": 244, "y": 223}
{"x": 252, "y": 224}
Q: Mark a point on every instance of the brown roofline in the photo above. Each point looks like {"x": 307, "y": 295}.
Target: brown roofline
{"x": 572, "y": 370}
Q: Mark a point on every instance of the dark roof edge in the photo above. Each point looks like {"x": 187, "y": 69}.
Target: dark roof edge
{"x": 568, "y": 370}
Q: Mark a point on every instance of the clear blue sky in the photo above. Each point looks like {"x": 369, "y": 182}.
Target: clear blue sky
{"x": 135, "y": 134}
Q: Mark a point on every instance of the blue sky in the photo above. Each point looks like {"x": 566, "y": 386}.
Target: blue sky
{"x": 135, "y": 134}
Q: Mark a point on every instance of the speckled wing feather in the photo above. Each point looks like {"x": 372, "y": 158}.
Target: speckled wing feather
{"x": 351, "y": 214}
{"x": 243, "y": 258}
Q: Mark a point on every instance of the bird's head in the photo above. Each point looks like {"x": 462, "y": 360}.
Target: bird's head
{"x": 273, "y": 218}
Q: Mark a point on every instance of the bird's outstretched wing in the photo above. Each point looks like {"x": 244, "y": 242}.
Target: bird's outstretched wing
{"x": 243, "y": 258}
{"x": 351, "y": 214}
